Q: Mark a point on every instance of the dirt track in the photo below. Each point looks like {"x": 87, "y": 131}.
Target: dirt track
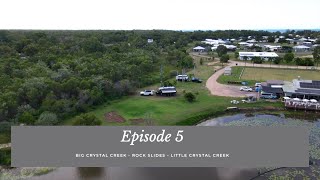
{"x": 222, "y": 89}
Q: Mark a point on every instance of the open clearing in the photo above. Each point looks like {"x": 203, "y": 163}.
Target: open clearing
{"x": 263, "y": 74}
{"x": 171, "y": 110}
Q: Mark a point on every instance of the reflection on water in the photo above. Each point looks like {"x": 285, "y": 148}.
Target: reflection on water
{"x": 116, "y": 173}
{"x": 90, "y": 172}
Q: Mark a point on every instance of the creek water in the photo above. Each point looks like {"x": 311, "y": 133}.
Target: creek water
{"x": 117, "y": 173}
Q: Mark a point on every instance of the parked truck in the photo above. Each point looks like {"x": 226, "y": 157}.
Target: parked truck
{"x": 167, "y": 91}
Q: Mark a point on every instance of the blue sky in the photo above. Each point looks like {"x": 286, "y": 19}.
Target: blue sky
{"x": 160, "y": 14}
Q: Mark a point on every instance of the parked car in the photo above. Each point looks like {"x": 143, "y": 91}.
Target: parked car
{"x": 197, "y": 80}
{"x": 146, "y": 93}
{"x": 246, "y": 88}
{"x": 268, "y": 96}
{"x": 257, "y": 85}
{"x": 182, "y": 78}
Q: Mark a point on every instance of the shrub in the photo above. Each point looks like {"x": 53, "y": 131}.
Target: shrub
{"x": 288, "y": 57}
{"x": 257, "y": 60}
{"x": 26, "y": 118}
{"x": 201, "y": 61}
{"x": 5, "y": 156}
{"x": 5, "y": 127}
{"x": 304, "y": 62}
{"x": 86, "y": 120}
{"x": 190, "y": 97}
{"x": 167, "y": 83}
{"x": 224, "y": 58}
{"x": 277, "y": 61}
{"x": 47, "y": 119}
{"x": 236, "y": 54}
{"x": 173, "y": 73}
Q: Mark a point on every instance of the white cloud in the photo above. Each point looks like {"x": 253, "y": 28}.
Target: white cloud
{"x": 161, "y": 14}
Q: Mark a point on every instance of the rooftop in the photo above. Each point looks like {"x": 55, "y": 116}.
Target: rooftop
{"x": 199, "y": 48}
{"x": 258, "y": 54}
{"x": 301, "y": 47}
{"x": 302, "y": 86}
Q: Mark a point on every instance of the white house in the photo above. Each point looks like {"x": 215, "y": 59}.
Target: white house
{"x": 243, "y": 43}
{"x": 303, "y": 39}
{"x": 150, "y": 40}
{"x": 262, "y": 55}
{"x": 272, "y": 47}
{"x": 252, "y": 41}
{"x": 301, "y": 48}
{"x": 291, "y": 41}
{"x": 198, "y": 49}
{"x": 229, "y": 47}
{"x": 214, "y": 41}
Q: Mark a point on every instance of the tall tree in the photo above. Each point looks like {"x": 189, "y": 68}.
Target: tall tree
{"x": 221, "y": 50}
{"x": 288, "y": 57}
{"x": 316, "y": 55}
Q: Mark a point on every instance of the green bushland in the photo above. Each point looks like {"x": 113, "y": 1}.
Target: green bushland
{"x": 5, "y": 138}
{"x": 5, "y": 157}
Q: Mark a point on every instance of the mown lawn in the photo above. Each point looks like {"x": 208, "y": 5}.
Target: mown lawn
{"x": 172, "y": 110}
{"x": 257, "y": 74}
{"x": 235, "y": 74}
{"x": 263, "y": 74}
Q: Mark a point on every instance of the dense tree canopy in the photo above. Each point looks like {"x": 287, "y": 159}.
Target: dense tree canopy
{"x": 47, "y": 76}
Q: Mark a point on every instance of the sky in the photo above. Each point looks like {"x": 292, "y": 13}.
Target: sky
{"x": 160, "y": 14}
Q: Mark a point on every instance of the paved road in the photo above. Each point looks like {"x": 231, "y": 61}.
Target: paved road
{"x": 218, "y": 89}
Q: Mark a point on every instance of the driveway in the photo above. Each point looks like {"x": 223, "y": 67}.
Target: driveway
{"x": 218, "y": 89}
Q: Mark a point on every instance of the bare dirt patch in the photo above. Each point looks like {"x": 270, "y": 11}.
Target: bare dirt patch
{"x": 114, "y": 117}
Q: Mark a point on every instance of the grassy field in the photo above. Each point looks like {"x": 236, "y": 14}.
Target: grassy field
{"x": 257, "y": 74}
{"x": 172, "y": 110}
{"x": 236, "y": 71}
{"x": 263, "y": 74}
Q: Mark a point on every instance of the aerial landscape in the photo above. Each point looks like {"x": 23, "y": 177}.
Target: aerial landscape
{"x": 160, "y": 76}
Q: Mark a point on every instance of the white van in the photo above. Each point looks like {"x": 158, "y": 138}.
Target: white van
{"x": 182, "y": 78}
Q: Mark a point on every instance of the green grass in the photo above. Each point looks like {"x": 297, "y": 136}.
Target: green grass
{"x": 171, "y": 110}
{"x": 4, "y": 138}
{"x": 236, "y": 71}
{"x": 167, "y": 110}
{"x": 258, "y": 74}
{"x": 263, "y": 74}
